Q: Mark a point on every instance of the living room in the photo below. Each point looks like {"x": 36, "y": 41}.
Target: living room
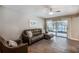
{"x": 52, "y": 21}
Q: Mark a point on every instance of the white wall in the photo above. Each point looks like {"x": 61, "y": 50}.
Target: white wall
{"x": 39, "y": 24}
{"x": 75, "y": 28}
{"x": 12, "y": 23}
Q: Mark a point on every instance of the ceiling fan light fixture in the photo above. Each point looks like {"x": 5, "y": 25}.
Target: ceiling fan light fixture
{"x": 51, "y": 13}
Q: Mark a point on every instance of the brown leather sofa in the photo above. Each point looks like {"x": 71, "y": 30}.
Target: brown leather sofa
{"x": 37, "y": 35}
{"x": 5, "y": 48}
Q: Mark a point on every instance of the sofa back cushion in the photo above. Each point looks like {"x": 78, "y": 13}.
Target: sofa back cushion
{"x": 35, "y": 32}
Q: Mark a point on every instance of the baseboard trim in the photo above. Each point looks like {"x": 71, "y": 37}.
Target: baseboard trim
{"x": 74, "y": 39}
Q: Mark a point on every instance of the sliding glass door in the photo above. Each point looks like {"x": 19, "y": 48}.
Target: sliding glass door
{"x": 58, "y": 28}
{"x": 62, "y": 28}
{"x": 51, "y": 26}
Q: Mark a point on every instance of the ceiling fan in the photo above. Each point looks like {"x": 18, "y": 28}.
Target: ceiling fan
{"x": 50, "y": 10}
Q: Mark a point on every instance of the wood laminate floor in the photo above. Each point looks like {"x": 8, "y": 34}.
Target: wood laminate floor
{"x": 55, "y": 45}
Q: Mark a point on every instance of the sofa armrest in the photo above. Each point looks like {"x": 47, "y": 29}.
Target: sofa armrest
{"x": 25, "y": 38}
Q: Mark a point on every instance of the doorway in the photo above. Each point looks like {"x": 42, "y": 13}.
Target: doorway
{"x": 58, "y": 27}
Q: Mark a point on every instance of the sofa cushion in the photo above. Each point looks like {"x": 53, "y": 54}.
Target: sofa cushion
{"x": 36, "y": 32}
{"x": 18, "y": 41}
{"x": 37, "y": 37}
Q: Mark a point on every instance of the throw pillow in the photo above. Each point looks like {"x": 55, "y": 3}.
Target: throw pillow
{"x": 12, "y": 43}
{"x": 29, "y": 33}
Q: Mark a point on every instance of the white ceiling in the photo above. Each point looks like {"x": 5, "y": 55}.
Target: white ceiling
{"x": 42, "y": 10}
